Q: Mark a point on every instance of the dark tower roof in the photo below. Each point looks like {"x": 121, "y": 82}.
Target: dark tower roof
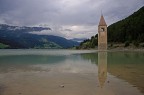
{"x": 102, "y": 21}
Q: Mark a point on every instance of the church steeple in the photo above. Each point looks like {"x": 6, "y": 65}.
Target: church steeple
{"x": 102, "y": 34}
{"x": 102, "y": 21}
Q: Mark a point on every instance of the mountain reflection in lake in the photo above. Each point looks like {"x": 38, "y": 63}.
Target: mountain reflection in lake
{"x": 71, "y": 72}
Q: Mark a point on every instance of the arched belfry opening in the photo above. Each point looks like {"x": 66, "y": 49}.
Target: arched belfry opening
{"x": 102, "y": 34}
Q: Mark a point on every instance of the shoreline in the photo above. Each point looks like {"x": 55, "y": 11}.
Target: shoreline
{"x": 109, "y": 49}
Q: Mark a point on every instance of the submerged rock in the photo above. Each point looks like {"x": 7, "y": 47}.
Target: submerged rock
{"x": 62, "y": 86}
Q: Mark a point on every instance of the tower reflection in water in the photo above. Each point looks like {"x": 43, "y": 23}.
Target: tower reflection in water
{"x": 102, "y": 68}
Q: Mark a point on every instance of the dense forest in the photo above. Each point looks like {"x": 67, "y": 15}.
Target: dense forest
{"x": 127, "y": 31}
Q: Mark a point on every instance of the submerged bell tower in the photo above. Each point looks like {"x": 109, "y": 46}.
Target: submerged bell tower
{"x": 102, "y": 34}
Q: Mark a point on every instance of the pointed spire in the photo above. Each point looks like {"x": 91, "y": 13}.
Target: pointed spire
{"x": 102, "y": 21}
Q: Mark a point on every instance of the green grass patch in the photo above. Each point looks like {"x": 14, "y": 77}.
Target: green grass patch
{"x": 2, "y": 46}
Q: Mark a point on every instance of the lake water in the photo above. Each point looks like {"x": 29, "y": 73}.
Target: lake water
{"x": 71, "y": 72}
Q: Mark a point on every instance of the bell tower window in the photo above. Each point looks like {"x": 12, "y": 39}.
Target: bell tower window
{"x": 102, "y": 29}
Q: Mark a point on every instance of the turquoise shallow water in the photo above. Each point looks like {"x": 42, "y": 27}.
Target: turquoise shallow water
{"x": 71, "y": 72}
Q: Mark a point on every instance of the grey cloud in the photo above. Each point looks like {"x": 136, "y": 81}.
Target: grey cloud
{"x": 67, "y": 30}
{"x": 66, "y": 12}
{"x": 28, "y": 11}
{"x": 86, "y": 12}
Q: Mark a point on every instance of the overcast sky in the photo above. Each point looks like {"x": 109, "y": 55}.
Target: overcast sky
{"x": 67, "y": 18}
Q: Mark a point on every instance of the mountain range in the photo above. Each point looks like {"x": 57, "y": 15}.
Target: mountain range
{"x": 22, "y": 37}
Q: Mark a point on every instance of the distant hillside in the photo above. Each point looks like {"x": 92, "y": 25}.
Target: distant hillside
{"x": 128, "y": 31}
{"x": 20, "y": 37}
{"x": 89, "y": 43}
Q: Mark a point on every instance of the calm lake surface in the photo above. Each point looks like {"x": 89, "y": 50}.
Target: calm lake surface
{"x": 71, "y": 72}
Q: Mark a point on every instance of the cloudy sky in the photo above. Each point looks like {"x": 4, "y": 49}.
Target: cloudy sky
{"x": 67, "y": 18}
